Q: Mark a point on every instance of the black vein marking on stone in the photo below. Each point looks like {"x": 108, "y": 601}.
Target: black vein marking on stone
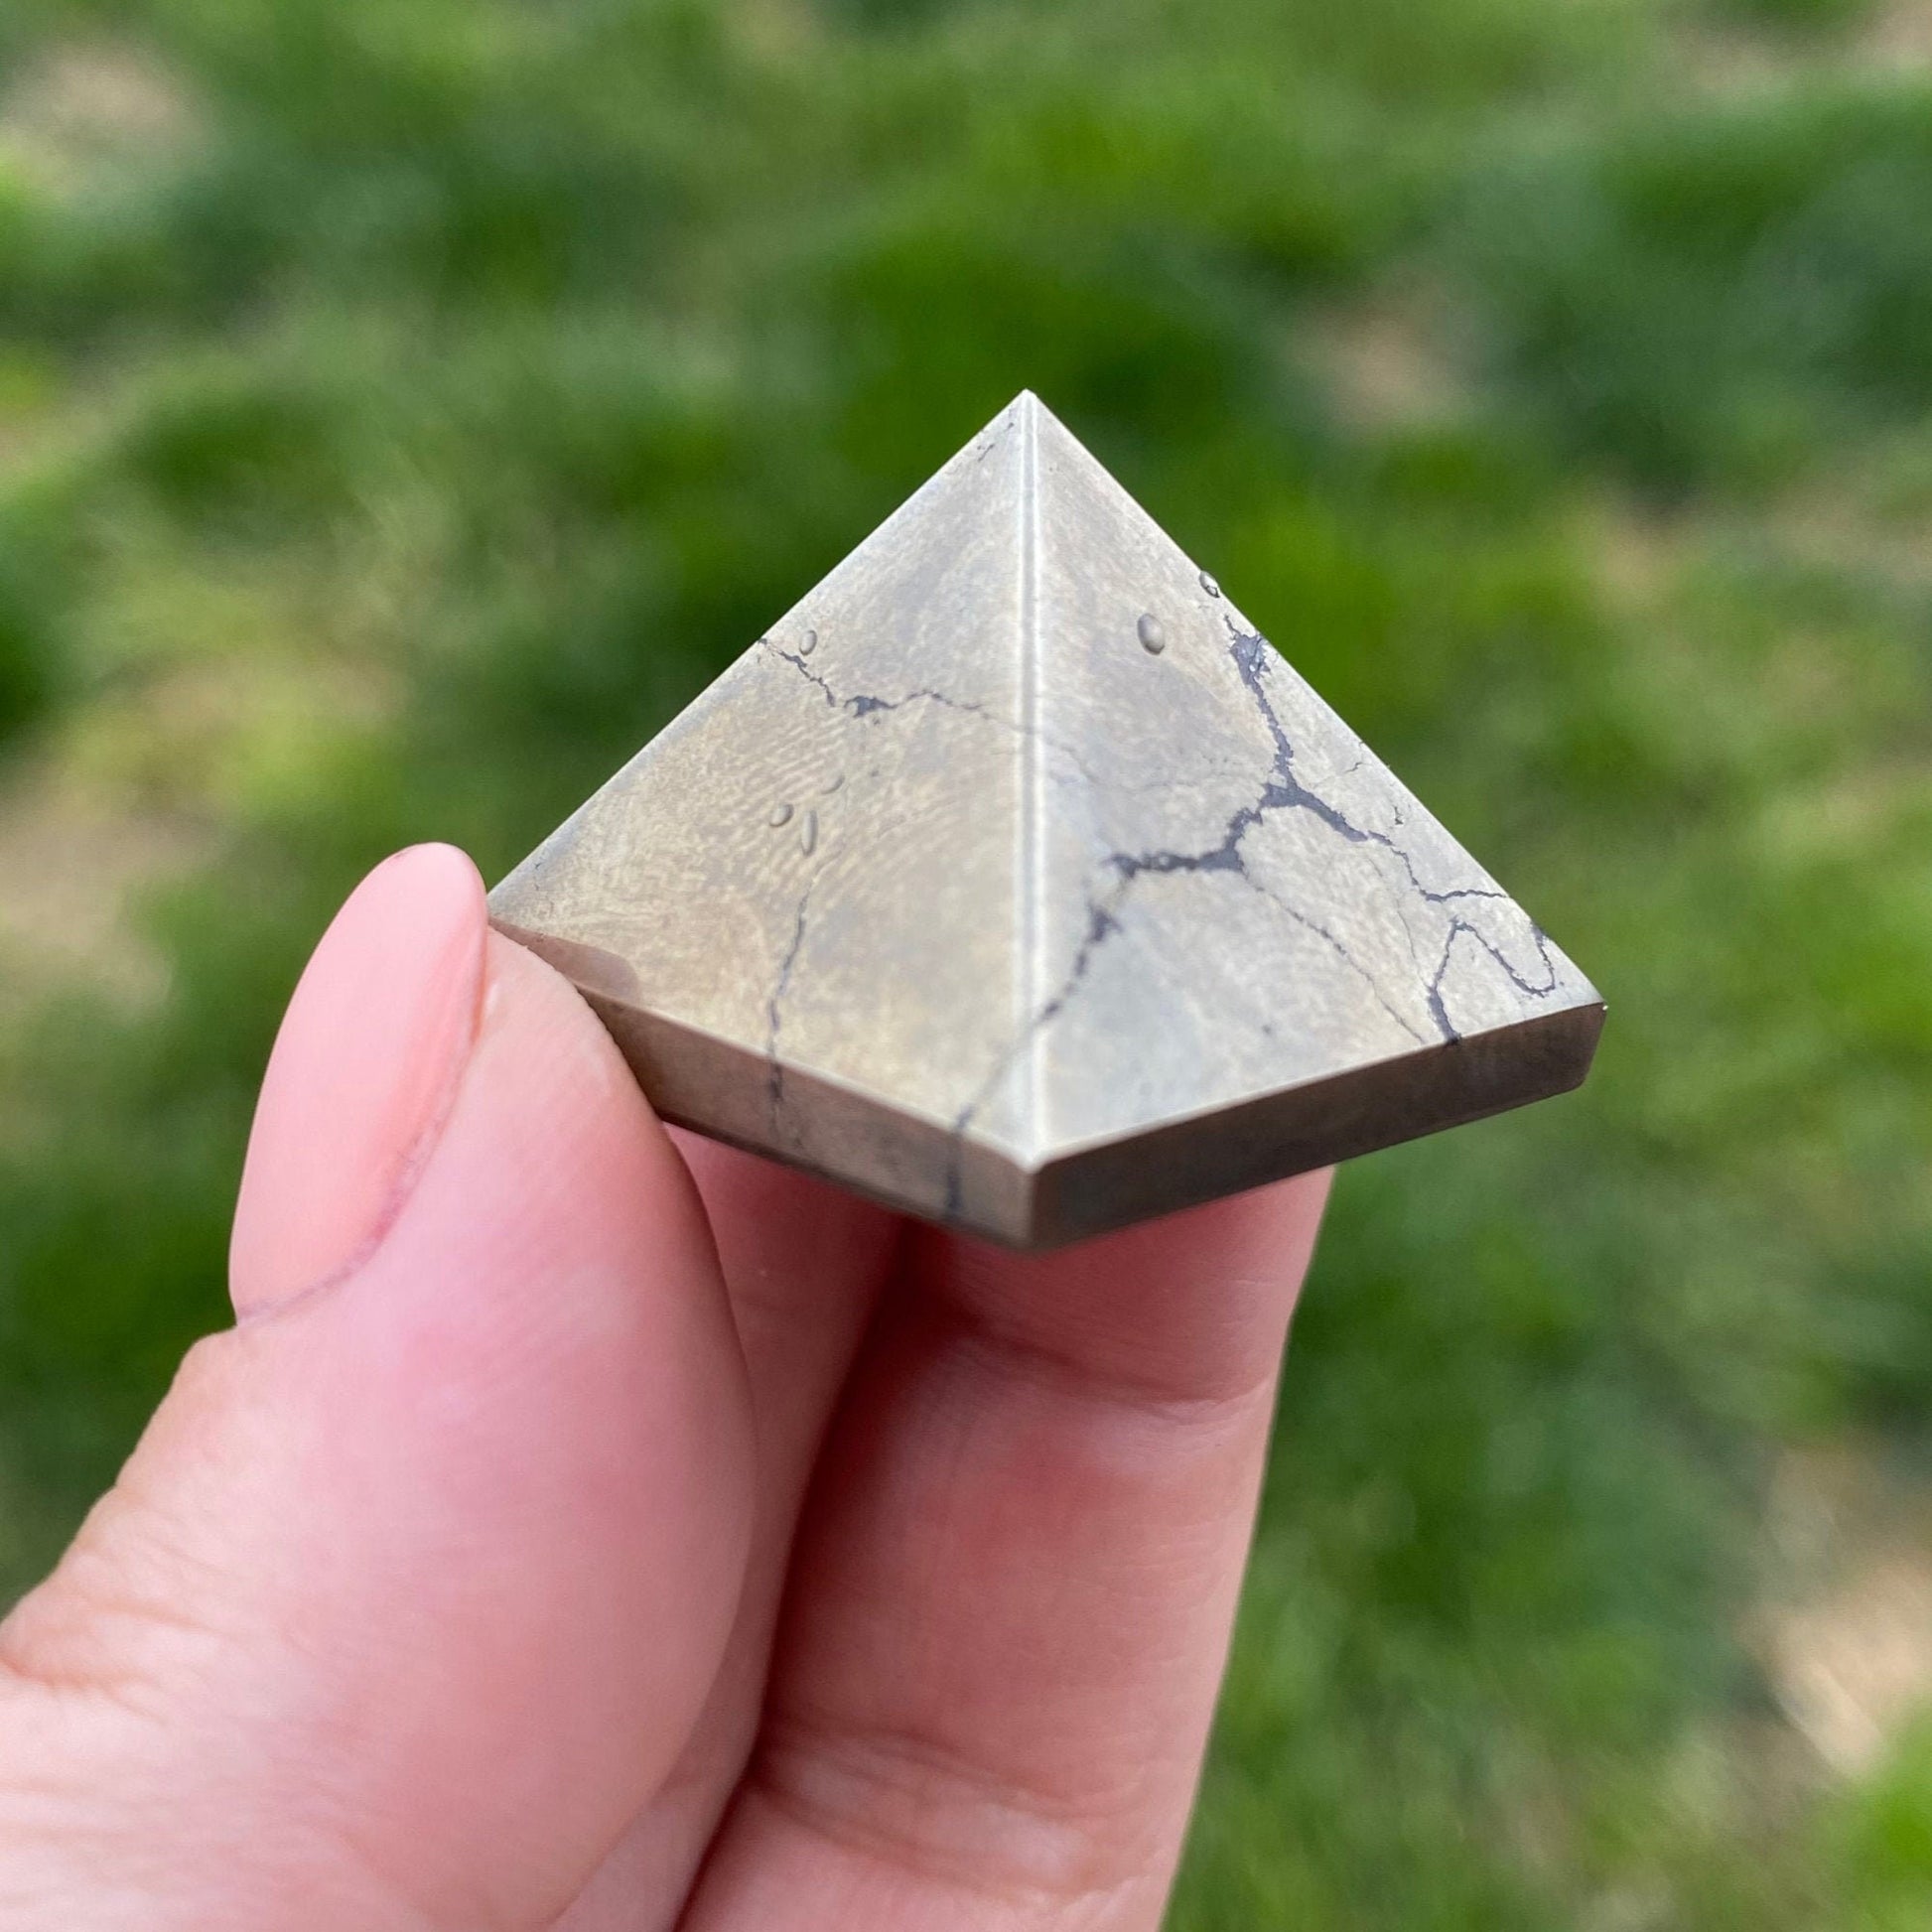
{"x": 1228, "y": 856}
{"x": 1250, "y": 651}
{"x": 866, "y": 704}
{"x": 775, "y": 1075}
{"x": 1101, "y": 923}
{"x": 1282, "y": 792}
{"x": 1340, "y": 947}
{"x": 1457, "y": 928}
{"x": 805, "y": 671}
{"x": 1285, "y": 790}
{"x": 1438, "y": 1006}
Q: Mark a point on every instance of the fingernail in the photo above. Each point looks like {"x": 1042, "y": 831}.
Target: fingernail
{"x": 365, "y": 1067}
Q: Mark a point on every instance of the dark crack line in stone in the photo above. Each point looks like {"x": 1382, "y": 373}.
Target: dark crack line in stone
{"x": 1340, "y": 949}
{"x": 1285, "y": 790}
{"x": 1458, "y": 926}
{"x": 805, "y": 671}
{"x": 1438, "y": 1006}
{"x": 866, "y": 704}
{"x": 1228, "y": 857}
{"x": 1101, "y": 921}
{"x": 774, "y": 1078}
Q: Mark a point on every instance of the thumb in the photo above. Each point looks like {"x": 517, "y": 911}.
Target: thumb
{"x": 409, "y": 1595}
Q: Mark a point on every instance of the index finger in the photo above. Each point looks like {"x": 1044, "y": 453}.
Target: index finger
{"x": 1010, "y": 1603}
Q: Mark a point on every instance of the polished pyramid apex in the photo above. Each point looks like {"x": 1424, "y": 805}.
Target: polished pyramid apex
{"x": 1015, "y": 880}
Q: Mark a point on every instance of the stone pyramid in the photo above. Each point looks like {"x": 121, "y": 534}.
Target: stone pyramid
{"x": 1015, "y": 880}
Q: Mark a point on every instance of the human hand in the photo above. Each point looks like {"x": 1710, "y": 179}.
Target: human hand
{"x": 586, "y": 1526}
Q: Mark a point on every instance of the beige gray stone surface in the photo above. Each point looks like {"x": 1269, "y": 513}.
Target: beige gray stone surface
{"x": 1015, "y": 878}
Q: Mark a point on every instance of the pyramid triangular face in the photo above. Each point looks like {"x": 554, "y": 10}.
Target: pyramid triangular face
{"x": 1013, "y": 879}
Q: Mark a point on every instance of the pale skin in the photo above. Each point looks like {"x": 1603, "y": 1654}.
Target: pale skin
{"x": 585, "y": 1526}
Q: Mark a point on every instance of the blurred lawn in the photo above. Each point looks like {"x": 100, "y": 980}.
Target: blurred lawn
{"x": 406, "y": 404}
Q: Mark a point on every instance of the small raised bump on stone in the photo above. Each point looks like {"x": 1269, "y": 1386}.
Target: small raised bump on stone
{"x": 1153, "y": 637}
{"x": 832, "y": 783}
{"x": 808, "y": 832}
{"x": 808, "y": 643}
{"x": 780, "y": 813}
{"x": 1210, "y": 586}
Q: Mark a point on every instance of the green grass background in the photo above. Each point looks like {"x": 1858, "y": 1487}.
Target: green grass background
{"x": 405, "y": 405}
